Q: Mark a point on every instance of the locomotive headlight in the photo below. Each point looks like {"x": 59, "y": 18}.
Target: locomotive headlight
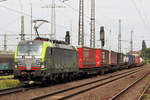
{"x": 15, "y": 66}
{"x": 42, "y": 66}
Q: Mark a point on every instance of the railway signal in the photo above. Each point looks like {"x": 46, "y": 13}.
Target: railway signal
{"x": 102, "y": 36}
{"x": 67, "y": 37}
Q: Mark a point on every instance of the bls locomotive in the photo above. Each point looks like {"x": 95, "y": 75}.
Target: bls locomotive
{"x": 42, "y": 60}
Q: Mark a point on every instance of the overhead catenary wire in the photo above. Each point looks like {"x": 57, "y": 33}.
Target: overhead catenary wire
{"x": 86, "y": 16}
{"x": 144, "y": 13}
{"x": 28, "y": 15}
{"x": 107, "y": 28}
{"x": 139, "y": 12}
{"x": 140, "y": 15}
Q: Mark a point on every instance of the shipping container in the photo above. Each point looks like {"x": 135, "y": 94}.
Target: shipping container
{"x": 104, "y": 57}
{"x": 125, "y": 59}
{"x": 120, "y": 58}
{"x": 137, "y": 60}
{"x": 87, "y": 57}
{"x": 131, "y": 59}
{"x": 112, "y": 58}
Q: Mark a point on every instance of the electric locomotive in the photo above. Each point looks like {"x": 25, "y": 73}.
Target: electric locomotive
{"x": 43, "y": 60}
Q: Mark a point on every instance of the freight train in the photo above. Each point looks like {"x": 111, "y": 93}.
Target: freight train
{"x": 42, "y": 59}
{"x": 6, "y": 63}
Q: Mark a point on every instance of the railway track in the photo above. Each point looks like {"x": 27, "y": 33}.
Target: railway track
{"x": 144, "y": 92}
{"x": 10, "y": 91}
{"x": 115, "y": 97}
{"x": 76, "y": 90}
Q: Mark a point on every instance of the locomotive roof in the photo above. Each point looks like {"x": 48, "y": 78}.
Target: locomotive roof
{"x": 30, "y": 41}
{"x": 55, "y": 44}
{"x": 63, "y": 46}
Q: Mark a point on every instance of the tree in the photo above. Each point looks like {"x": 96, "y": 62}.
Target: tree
{"x": 147, "y": 53}
{"x": 143, "y": 49}
{"x": 143, "y": 45}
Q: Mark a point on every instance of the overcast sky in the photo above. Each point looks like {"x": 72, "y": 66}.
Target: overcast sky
{"x": 133, "y": 13}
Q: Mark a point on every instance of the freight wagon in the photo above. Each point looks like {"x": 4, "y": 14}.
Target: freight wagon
{"x": 95, "y": 60}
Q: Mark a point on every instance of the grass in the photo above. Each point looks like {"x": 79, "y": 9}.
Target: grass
{"x": 9, "y": 83}
{"x": 6, "y": 77}
{"x": 147, "y": 96}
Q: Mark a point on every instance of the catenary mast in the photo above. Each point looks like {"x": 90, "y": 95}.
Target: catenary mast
{"x": 92, "y": 34}
{"x": 81, "y": 23}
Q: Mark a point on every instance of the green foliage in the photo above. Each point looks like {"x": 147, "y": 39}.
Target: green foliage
{"x": 9, "y": 83}
{"x": 147, "y": 53}
{"x": 143, "y": 45}
{"x": 6, "y": 77}
{"x": 143, "y": 49}
{"x": 146, "y": 96}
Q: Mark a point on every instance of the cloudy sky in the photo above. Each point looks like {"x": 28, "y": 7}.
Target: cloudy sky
{"x": 134, "y": 15}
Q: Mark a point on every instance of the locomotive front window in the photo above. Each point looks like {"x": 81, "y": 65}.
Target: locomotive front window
{"x": 29, "y": 49}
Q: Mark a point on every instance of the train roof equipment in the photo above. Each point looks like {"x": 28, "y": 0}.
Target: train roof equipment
{"x": 36, "y": 26}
